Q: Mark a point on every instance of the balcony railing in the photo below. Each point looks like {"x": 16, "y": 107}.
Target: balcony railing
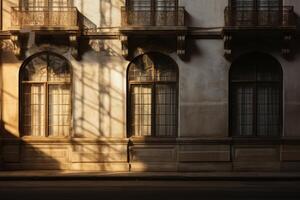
{"x": 273, "y": 17}
{"x": 147, "y": 16}
{"x": 54, "y": 17}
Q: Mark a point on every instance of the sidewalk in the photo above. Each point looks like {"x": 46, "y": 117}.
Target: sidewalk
{"x": 180, "y": 176}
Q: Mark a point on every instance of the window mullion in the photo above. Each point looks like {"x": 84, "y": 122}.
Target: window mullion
{"x": 47, "y": 100}
{"x": 46, "y": 110}
{"x": 153, "y": 95}
{"x": 255, "y": 106}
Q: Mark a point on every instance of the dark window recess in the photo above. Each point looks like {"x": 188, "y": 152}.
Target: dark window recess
{"x": 45, "y": 89}
{"x": 256, "y": 96}
{"x": 152, "y": 83}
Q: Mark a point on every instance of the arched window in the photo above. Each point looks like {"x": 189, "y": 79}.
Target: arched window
{"x": 45, "y": 91}
{"x": 256, "y": 96}
{"x": 152, "y": 96}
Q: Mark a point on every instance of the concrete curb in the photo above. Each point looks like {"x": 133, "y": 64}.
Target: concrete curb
{"x": 147, "y": 176}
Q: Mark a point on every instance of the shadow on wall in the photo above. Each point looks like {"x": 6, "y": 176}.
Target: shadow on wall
{"x": 18, "y": 153}
{"x": 99, "y": 91}
{"x": 99, "y": 109}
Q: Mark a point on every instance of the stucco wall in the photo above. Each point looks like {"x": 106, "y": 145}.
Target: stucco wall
{"x": 100, "y": 92}
{"x": 204, "y": 91}
{"x": 204, "y": 13}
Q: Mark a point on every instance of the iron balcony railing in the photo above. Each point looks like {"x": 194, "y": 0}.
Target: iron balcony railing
{"x": 44, "y": 17}
{"x": 282, "y": 16}
{"x": 148, "y": 16}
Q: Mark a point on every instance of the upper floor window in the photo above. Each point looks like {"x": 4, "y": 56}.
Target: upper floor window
{"x": 152, "y": 96}
{"x": 45, "y": 91}
{"x": 256, "y": 96}
{"x": 256, "y": 4}
{"x": 152, "y": 13}
{"x": 152, "y": 4}
{"x": 270, "y": 13}
{"x": 46, "y": 4}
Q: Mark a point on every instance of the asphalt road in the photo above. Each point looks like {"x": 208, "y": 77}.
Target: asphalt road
{"x": 146, "y": 190}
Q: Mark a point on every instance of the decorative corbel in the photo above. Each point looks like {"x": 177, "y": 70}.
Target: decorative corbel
{"x": 227, "y": 45}
{"x": 74, "y": 40}
{"x": 286, "y": 48}
{"x": 17, "y": 45}
{"x": 181, "y": 46}
{"x": 124, "y": 43}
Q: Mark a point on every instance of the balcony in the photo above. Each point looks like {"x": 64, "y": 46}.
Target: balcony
{"x": 245, "y": 24}
{"x": 262, "y": 18}
{"x": 147, "y": 18}
{"x": 42, "y": 18}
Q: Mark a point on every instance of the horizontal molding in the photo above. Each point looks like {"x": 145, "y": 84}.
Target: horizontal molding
{"x": 152, "y": 140}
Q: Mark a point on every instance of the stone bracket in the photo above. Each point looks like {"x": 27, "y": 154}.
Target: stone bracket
{"x": 74, "y": 44}
{"x": 287, "y": 42}
{"x": 227, "y": 45}
{"x": 181, "y": 46}
{"x": 18, "y": 48}
{"x": 124, "y": 43}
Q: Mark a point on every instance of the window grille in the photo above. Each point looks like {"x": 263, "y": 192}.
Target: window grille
{"x": 46, "y": 96}
{"x": 256, "y": 97}
{"x": 152, "y": 82}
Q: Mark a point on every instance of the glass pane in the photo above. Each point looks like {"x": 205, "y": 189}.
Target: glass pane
{"x": 58, "y": 69}
{"x": 262, "y": 4}
{"x": 136, "y": 4}
{"x": 268, "y": 71}
{"x": 34, "y": 109}
{"x": 141, "y": 109}
{"x": 166, "y": 72}
{"x": 240, "y": 4}
{"x": 166, "y": 110}
{"x": 165, "y": 5}
{"x": 59, "y": 110}
{"x": 245, "y": 71}
{"x": 141, "y": 69}
{"x": 268, "y": 111}
{"x": 36, "y": 69}
{"x": 242, "y": 110}
{"x": 34, "y": 4}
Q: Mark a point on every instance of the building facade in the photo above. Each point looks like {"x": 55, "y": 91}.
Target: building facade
{"x": 151, "y": 85}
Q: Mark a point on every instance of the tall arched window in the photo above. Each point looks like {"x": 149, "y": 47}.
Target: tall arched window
{"x": 152, "y": 99}
{"x": 256, "y": 96}
{"x": 45, "y": 91}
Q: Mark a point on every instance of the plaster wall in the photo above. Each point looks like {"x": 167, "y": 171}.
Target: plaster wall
{"x": 204, "y": 91}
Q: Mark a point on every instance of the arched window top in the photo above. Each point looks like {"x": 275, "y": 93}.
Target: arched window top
{"x": 45, "y": 89}
{"x": 152, "y": 67}
{"x": 46, "y": 66}
{"x": 256, "y": 67}
{"x": 256, "y": 96}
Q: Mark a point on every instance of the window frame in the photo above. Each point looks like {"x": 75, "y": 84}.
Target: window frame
{"x": 153, "y": 95}
{"x": 46, "y": 96}
{"x": 231, "y": 3}
{"x": 153, "y": 3}
{"x": 255, "y": 84}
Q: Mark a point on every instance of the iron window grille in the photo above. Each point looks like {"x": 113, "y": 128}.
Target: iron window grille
{"x": 45, "y": 91}
{"x": 152, "y": 96}
{"x": 256, "y": 97}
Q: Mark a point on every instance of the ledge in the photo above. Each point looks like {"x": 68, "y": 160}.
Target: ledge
{"x": 153, "y": 30}
{"x": 66, "y": 140}
{"x": 182, "y": 176}
{"x": 155, "y": 140}
{"x": 44, "y": 28}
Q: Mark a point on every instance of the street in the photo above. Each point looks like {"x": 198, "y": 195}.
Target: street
{"x": 144, "y": 190}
